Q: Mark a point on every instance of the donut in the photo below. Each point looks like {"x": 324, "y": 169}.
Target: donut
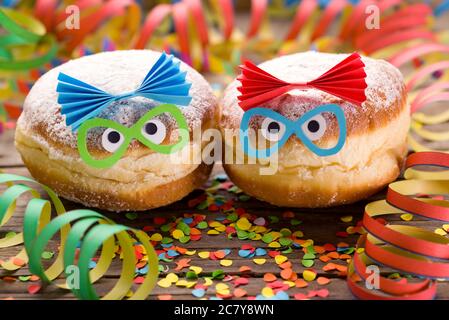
{"x": 370, "y": 157}
{"x": 142, "y": 178}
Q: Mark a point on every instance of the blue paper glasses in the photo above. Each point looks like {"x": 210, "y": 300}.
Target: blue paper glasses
{"x": 276, "y": 129}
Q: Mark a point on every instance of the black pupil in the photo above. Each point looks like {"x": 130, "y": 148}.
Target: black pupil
{"x": 114, "y": 137}
{"x": 274, "y": 127}
{"x": 313, "y": 126}
{"x": 150, "y": 128}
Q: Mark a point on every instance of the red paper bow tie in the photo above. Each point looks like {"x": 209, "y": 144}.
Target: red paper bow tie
{"x": 346, "y": 80}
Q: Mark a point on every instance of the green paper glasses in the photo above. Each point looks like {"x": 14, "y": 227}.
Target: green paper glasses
{"x": 149, "y": 130}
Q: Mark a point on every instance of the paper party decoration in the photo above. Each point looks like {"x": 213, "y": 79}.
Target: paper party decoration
{"x": 277, "y": 129}
{"x": 82, "y": 103}
{"x": 408, "y": 249}
{"x": 346, "y": 80}
{"x": 150, "y": 131}
{"x": 164, "y": 83}
{"x": 85, "y": 229}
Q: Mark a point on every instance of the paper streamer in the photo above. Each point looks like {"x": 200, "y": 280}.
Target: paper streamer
{"x": 425, "y": 89}
{"x": 26, "y": 35}
{"x": 85, "y": 229}
{"x": 408, "y": 249}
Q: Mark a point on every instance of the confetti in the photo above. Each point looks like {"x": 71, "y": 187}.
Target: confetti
{"x": 323, "y": 281}
{"x": 267, "y": 292}
{"x": 218, "y": 274}
{"x": 286, "y": 273}
{"x": 18, "y": 262}
{"x": 309, "y": 275}
{"x": 182, "y": 263}
{"x": 260, "y": 221}
{"x": 178, "y": 234}
{"x": 407, "y": 217}
{"x": 34, "y": 288}
{"x": 172, "y": 277}
{"x": 243, "y": 224}
{"x": 245, "y": 269}
{"x": 47, "y": 255}
{"x": 198, "y": 293}
{"x": 307, "y": 263}
{"x": 239, "y": 293}
{"x": 226, "y": 263}
{"x": 204, "y": 254}
{"x": 269, "y": 277}
{"x": 260, "y": 261}
{"x": 164, "y": 283}
{"x": 300, "y": 296}
{"x": 301, "y": 283}
{"x": 280, "y": 259}
{"x": 222, "y": 289}
{"x": 157, "y": 237}
{"x": 196, "y": 269}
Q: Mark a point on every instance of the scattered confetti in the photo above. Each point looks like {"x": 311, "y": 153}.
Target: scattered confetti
{"x": 269, "y": 277}
{"x": 323, "y": 281}
{"x": 407, "y": 217}
{"x": 198, "y": 293}
{"x": 309, "y": 275}
{"x": 34, "y": 288}
{"x": 226, "y": 263}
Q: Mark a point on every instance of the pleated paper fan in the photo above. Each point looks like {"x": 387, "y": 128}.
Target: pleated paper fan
{"x": 345, "y": 80}
{"x": 165, "y": 83}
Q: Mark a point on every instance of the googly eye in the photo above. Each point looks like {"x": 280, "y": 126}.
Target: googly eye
{"x": 155, "y": 131}
{"x": 272, "y": 130}
{"x": 112, "y": 140}
{"x": 315, "y": 127}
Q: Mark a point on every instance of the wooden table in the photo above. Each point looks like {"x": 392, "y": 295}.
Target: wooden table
{"x": 321, "y": 225}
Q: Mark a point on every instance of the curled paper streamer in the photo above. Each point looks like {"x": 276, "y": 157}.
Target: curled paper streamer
{"x": 164, "y": 83}
{"x": 408, "y": 249}
{"x": 98, "y": 12}
{"x": 346, "y": 80}
{"x": 425, "y": 88}
{"x": 90, "y": 231}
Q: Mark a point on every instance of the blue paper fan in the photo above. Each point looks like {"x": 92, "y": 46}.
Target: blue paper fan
{"x": 163, "y": 83}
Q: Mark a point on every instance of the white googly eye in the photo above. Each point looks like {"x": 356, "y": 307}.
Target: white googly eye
{"x": 315, "y": 127}
{"x": 272, "y": 130}
{"x": 155, "y": 131}
{"x": 112, "y": 140}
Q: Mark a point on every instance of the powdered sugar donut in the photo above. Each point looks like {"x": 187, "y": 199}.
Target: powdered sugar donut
{"x": 372, "y": 154}
{"x": 142, "y": 178}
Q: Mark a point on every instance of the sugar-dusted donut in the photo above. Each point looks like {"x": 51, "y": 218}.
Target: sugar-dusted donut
{"x": 142, "y": 178}
{"x": 372, "y": 154}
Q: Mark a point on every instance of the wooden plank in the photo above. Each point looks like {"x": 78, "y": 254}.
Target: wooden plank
{"x": 9, "y": 157}
{"x": 337, "y": 290}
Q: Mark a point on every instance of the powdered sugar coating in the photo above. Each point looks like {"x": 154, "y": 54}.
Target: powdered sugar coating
{"x": 385, "y": 90}
{"x": 115, "y": 72}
